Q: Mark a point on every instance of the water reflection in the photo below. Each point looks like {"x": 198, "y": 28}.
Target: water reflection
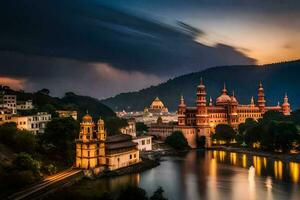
{"x": 215, "y": 175}
{"x": 263, "y": 166}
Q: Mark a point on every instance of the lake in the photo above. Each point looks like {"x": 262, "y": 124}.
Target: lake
{"x": 212, "y": 175}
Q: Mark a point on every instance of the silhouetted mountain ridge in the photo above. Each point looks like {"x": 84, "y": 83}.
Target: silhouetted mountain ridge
{"x": 277, "y": 79}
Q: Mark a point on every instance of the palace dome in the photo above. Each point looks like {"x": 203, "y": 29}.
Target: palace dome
{"x": 157, "y": 103}
{"x": 87, "y": 118}
{"x": 224, "y": 98}
{"x": 233, "y": 100}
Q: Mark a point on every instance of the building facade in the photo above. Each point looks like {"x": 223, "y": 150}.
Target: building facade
{"x": 67, "y": 113}
{"x": 94, "y": 149}
{"x": 25, "y": 105}
{"x": 9, "y": 101}
{"x": 34, "y": 123}
{"x": 144, "y": 142}
{"x": 5, "y": 116}
{"x": 202, "y": 119}
{"x": 130, "y": 129}
{"x": 161, "y": 130}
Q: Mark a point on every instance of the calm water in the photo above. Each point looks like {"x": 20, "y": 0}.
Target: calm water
{"x": 215, "y": 175}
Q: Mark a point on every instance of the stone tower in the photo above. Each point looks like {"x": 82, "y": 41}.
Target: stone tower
{"x": 90, "y": 146}
{"x": 181, "y": 112}
{"x": 286, "y": 108}
{"x": 232, "y": 112}
{"x": 202, "y": 124}
{"x": 261, "y": 99}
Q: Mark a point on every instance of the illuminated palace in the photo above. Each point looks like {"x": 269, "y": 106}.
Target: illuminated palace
{"x": 96, "y": 150}
{"x": 201, "y": 120}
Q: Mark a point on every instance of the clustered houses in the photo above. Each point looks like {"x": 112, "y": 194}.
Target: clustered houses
{"x": 34, "y": 123}
{"x": 96, "y": 150}
{"x": 10, "y": 110}
{"x": 201, "y": 120}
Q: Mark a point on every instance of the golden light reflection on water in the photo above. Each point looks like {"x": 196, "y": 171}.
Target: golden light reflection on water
{"x": 262, "y": 165}
{"x": 257, "y": 164}
{"x": 294, "y": 171}
{"x": 244, "y": 159}
{"x": 233, "y": 158}
{"x": 278, "y": 169}
{"x": 265, "y": 162}
{"x": 222, "y": 155}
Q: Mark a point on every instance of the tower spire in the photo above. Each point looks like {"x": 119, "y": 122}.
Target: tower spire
{"x": 224, "y": 91}
{"x": 252, "y": 101}
{"x": 210, "y": 101}
{"x": 261, "y": 98}
{"x": 286, "y": 108}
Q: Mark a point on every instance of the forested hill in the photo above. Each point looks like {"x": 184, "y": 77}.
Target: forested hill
{"x": 277, "y": 79}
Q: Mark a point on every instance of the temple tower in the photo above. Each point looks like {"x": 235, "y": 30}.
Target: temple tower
{"x": 232, "y": 111}
{"x": 88, "y": 145}
{"x": 181, "y": 112}
{"x": 261, "y": 99}
{"x": 286, "y": 108}
{"x": 101, "y": 136}
{"x": 202, "y": 124}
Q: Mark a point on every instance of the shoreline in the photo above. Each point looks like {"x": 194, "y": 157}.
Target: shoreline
{"x": 286, "y": 157}
{"x": 271, "y": 155}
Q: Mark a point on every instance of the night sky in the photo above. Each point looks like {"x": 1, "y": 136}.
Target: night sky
{"x": 102, "y": 48}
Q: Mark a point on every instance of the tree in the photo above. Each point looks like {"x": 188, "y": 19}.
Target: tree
{"x": 61, "y": 132}
{"x": 25, "y": 141}
{"x": 272, "y": 115}
{"x": 114, "y": 124}
{"x": 253, "y": 135}
{"x": 224, "y": 132}
{"x": 21, "y": 141}
{"x": 177, "y": 140}
{"x": 158, "y": 194}
{"x": 141, "y": 127}
{"x": 24, "y": 161}
{"x": 285, "y": 134}
{"x": 44, "y": 91}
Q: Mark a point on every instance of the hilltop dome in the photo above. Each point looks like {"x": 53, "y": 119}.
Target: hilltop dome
{"x": 157, "y": 103}
{"x": 87, "y": 118}
{"x": 156, "y": 106}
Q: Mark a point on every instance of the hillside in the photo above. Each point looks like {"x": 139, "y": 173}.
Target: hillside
{"x": 45, "y": 102}
{"x": 277, "y": 79}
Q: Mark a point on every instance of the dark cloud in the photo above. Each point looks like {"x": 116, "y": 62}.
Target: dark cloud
{"x": 59, "y": 43}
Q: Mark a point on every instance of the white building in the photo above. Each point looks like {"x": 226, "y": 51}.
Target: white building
{"x": 144, "y": 142}
{"x": 148, "y": 118}
{"x": 9, "y": 101}
{"x": 130, "y": 129}
{"x": 25, "y": 105}
{"x": 67, "y": 113}
{"x": 34, "y": 123}
{"x": 5, "y": 115}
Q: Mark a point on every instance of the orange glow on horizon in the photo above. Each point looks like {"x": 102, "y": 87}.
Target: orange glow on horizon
{"x": 15, "y": 83}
